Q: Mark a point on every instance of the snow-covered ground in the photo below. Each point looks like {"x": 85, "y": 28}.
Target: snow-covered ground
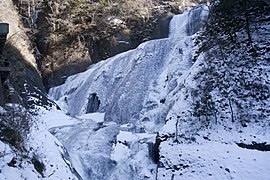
{"x": 213, "y": 160}
{"x": 214, "y": 154}
{"x": 130, "y": 117}
{"x": 42, "y": 145}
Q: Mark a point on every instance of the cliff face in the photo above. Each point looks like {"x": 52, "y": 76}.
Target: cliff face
{"x": 17, "y": 35}
{"x": 71, "y": 35}
{"x": 24, "y": 80}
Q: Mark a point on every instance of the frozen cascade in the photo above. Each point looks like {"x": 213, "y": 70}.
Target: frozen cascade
{"x": 126, "y": 83}
{"x": 135, "y": 90}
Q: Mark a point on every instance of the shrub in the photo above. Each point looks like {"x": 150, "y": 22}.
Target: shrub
{"x": 15, "y": 125}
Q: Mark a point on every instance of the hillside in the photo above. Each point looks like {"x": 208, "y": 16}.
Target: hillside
{"x": 223, "y": 131}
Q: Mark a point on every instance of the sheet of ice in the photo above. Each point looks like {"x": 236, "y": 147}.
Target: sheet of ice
{"x": 132, "y": 152}
{"x": 97, "y": 117}
{"x": 56, "y": 118}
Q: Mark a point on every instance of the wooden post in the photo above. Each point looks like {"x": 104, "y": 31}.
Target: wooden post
{"x": 4, "y": 66}
{"x": 4, "y": 30}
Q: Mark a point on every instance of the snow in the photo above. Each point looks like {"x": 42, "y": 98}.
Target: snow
{"x": 152, "y": 93}
{"x": 13, "y": 173}
{"x": 126, "y": 136}
{"x": 56, "y": 118}
{"x": 144, "y": 94}
{"x": 121, "y": 153}
{"x": 214, "y": 154}
{"x": 42, "y": 145}
{"x": 214, "y": 160}
{"x": 137, "y": 96}
{"x": 97, "y": 117}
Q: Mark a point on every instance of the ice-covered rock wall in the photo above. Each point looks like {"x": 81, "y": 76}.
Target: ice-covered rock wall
{"x": 132, "y": 87}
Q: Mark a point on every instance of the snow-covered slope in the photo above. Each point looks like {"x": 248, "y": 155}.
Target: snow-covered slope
{"x": 155, "y": 126}
{"x": 41, "y": 155}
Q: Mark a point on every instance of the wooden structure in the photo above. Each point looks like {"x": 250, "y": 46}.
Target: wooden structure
{"x": 4, "y": 64}
{"x": 4, "y": 30}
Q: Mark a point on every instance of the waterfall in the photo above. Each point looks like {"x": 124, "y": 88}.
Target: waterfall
{"x": 135, "y": 90}
{"x": 124, "y": 83}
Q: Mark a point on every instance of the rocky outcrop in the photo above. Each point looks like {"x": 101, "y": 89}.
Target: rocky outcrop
{"x": 71, "y": 35}
{"x": 24, "y": 83}
{"x": 17, "y": 35}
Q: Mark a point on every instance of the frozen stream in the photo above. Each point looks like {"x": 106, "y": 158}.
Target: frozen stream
{"x": 100, "y": 150}
{"x": 122, "y": 102}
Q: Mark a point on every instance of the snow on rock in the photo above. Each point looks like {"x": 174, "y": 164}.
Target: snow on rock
{"x": 26, "y": 169}
{"x": 49, "y": 149}
{"x": 40, "y": 147}
{"x": 97, "y": 117}
{"x": 133, "y": 154}
{"x": 214, "y": 154}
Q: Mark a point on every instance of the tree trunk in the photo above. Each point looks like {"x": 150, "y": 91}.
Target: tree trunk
{"x": 247, "y": 22}
{"x": 231, "y": 109}
{"x": 176, "y": 131}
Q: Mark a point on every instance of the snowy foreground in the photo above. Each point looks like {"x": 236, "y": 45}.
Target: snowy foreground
{"x": 113, "y": 113}
{"x": 100, "y": 150}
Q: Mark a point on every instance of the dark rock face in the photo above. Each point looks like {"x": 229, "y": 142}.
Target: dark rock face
{"x": 70, "y": 36}
{"x": 68, "y": 39}
{"x": 255, "y": 146}
{"x": 2, "y": 42}
{"x": 23, "y": 84}
{"x": 155, "y": 154}
{"x": 59, "y": 76}
{"x": 93, "y": 103}
{"x": 162, "y": 28}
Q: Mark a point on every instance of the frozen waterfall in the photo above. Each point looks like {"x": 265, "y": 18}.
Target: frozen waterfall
{"x": 133, "y": 86}
{"x": 136, "y": 91}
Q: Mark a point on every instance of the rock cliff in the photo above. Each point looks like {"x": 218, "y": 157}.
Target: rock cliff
{"x": 70, "y": 35}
